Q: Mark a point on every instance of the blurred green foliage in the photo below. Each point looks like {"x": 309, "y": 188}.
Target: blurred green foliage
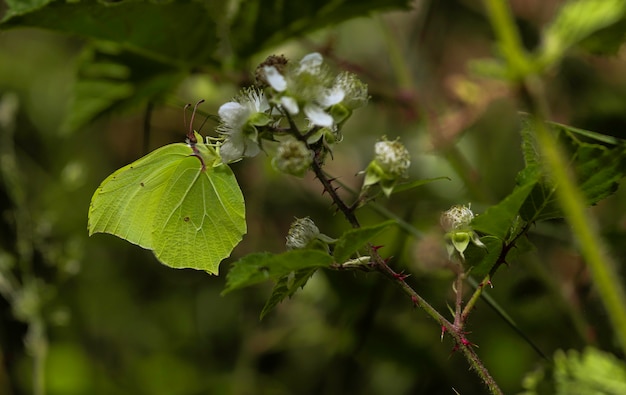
{"x": 117, "y": 322}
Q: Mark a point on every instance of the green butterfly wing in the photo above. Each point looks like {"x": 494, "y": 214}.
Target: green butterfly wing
{"x": 190, "y": 216}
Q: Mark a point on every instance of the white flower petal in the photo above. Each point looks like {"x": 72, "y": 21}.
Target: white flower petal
{"x": 275, "y": 79}
{"x": 329, "y": 97}
{"x": 311, "y": 63}
{"x": 231, "y": 151}
{"x": 290, "y": 104}
{"x": 233, "y": 113}
{"x": 318, "y": 116}
{"x": 251, "y": 149}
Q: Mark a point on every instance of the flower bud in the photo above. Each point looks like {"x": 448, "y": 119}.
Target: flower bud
{"x": 293, "y": 157}
{"x": 456, "y": 222}
{"x": 355, "y": 91}
{"x": 301, "y": 233}
{"x": 391, "y": 162}
{"x": 457, "y": 218}
{"x": 393, "y": 158}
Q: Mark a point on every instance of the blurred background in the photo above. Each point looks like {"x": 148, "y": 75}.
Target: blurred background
{"x": 110, "y": 319}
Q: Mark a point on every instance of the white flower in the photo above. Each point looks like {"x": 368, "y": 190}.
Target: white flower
{"x": 309, "y": 87}
{"x": 239, "y": 126}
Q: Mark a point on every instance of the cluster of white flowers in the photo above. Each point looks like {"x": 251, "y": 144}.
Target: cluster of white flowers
{"x": 307, "y": 89}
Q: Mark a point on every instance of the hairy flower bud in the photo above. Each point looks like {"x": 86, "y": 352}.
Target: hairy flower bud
{"x": 391, "y": 162}
{"x": 293, "y": 157}
{"x": 456, "y": 222}
{"x": 355, "y": 90}
{"x": 301, "y": 233}
{"x": 393, "y": 158}
{"x": 456, "y": 218}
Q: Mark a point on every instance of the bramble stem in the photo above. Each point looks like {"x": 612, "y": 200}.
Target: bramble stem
{"x": 474, "y": 298}
{"x": 379, "y": 264}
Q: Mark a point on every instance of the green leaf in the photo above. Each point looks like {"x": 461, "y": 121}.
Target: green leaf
{"x": 191, "y": 33}
{"x": 182, "y": 33}
{"x": 278, "y": 21}
{"x": 417, "y": 183}
{"x": 110, "y": 79}
{"x": 589, "y": 372}
{"x": 190, "y": 215}
{"x": 592, "y": 372}
{"x": 19, "y": 7}
{"x": 606, "y": 41}
{"x": 354, "y": 239}
{"x": 576, "y": 21}
{"x": 482, "y": 259}
{"x": 286, "y": 287}
{"x": 598, "y": 168}
{"x": 498, "y": 219}
{"x": 259, "y": 267}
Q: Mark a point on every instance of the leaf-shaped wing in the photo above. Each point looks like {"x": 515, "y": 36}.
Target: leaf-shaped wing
{"x": 201, "y": 219}
{"x": 126, "y": 202}
{"x": 189, "y": 212}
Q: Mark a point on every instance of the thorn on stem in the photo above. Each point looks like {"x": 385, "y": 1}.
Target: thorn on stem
{"x": 467, "y": 343}
{"x": 376, "y": 248}
{"x": 399, "y": 276}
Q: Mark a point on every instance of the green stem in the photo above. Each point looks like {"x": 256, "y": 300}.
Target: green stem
{"x": 37, "y": 344}
{"x": 568, "y": 194}
{"x": 474, "y": 298}
{"x": 509, "y": 42}
{"x": 401, "y": 71}
{"x": 571, "y": 200}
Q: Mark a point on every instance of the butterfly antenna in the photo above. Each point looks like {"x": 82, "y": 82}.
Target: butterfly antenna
{"x": 190, "y": 135}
